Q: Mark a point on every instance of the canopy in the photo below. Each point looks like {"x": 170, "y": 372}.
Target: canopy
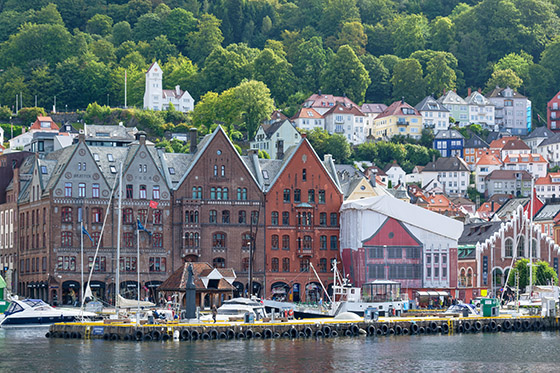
{"x": 130, "y": 303}
{"x": 2, "y": 283}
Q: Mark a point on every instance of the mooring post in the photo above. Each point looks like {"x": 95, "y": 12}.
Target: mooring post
{"x": 190, "y": 295}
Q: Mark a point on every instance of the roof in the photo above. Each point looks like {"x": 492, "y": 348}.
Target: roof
{"x": 500, "y": 92}
{"x": 510, "y": 206}
{"x": 478, "y": 232}
{"x": 548, "y": 179}
{"x": 516, "y": 144}
{"x": 551, "y": 140}
{"x": 446, "y": 164}
{"x": 477, "y": 98}
{"x": 430, "y": 104}
{"x": 109, "y": 133}
{"x": 539, "y": 132}
{"x": 398, "y": 108}
{"x": 344, "y": 109}
{"x": 525, "y": 158}
{"x": 501, "y": 142}
{"x": 409, "y": 214}
{"x": 449, "y": 134}
{"x": 37, "y": 124}
{"x": 475, "y": 142}
{"x": 178, "y": 279}
{"x": 508, "y": 175}
{"x": 488, "y": 160}
{"x": 373, "y": 108}
{"x": 270, "y": 129}
{"x": 277, "y": 115}
{"x": 548, "y": 212}
{"x": 307, "y": 112}
{"x": 325, "y": 101}
{"x": 391, "y": 165}
{"x": 452, "y": 98}
{"x": 495, "y": 135}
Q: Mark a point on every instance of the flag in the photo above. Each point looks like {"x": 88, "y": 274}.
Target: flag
{"x": 153, "y": 204}
{"x": 142, "y": 228}
{"x": 84, "y": 231}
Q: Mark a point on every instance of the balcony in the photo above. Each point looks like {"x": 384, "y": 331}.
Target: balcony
{"x": 402, "y": 122}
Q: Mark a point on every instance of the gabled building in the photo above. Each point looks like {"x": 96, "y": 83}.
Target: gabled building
{"x": 449, "y": 143}
{"x": 371, "y": 111}
{"x": 347, "y": 120}
{"x": 534, "y": 163}
{"x": 548, "y": 219}
{"x": 41, "y": 125}
{"x": 323, "y": 102}
{"x": 553, "y": 113}
{"x": 308, "y": 119}
{"x": 548, "y": 186}
{"x": 451, "y": 174}
{"x": 109, "y": 135}
{"x": 157, "y": 98}
{"x": 457, "y": 106}
{"x": 474, "y": 146}
{"x": 354, "y": 184}
{"x": 398, "y": 119}
{"x": 514, "y": 147}
{"x": 512, "y": 110}
{"x": 486, "y": 164}
{"x": 550, "y": 150}
{"x": 487, "y": 209}
{"x": 395, "y": 174}
{"x": 275, "y": 138}
{"x": 515, "y": 183}
{"x": 536, "y": 137}
{"x": 481, "y": 110}
{"x": 434, "y": 115}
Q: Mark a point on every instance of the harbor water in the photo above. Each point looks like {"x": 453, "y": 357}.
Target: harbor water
{"x": 28, "y": 350}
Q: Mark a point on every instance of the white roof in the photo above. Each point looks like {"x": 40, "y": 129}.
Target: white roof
{"x": 409, "y": 214}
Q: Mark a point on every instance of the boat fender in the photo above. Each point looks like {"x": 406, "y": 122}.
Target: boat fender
{"x": 414, "y": 328}
{"x": 348, "y": 333}
{"x": 327, "y": 331}
{"x": 433, "y": 326}
{"x": 319, "y": 333}
{"x": 156, "y": 335}
{"x": 308, "y": 332}
{"x": 334, "y": 334}
{"x": 444, "y": 328}
{"x": 526, "y": 325}
{"x": 147, "y": 337}
{"x": 106, "y": 336}
{"x": 391, "y": 331}
{"x": 477, "y": 325}
{"x": 127, "y": 337}
{"x": 371, "y": 330}
{"x": 362, "y": 332}
{"x": 398, "y": 330}
{"x": 421, "y": 330}
{"x": 537, "y": 325}
{"x": 114, "y": 337}
{"x": 517, "y": 325}
{"x": 230, "y": 334}
{"x": 293, "y": 333}
{"x": 205, "y": 337}
{"x": 286, "y": 335}
{"x": 276, "y": 335}
{"x": 379, "y": 332}
{"x": 507, "y": 325}
{"x": 301, "y": 334}
{"x": 499, "y": 328}
{"x": 176, "y": 335}
{"x": 486, "y": 328}
{"x": 185, "y": 335}
{"x": 139, "y": 335}
{"x": 48, "y": 335}
{"x": 384, "y": 328}
{"x": 355, "y": 329}
{"x": 74, "y": 335}
{"x": 54, "y": 335}
{"x": 194, "y": 335}
{"x": 249, "y": 334}
{"x": 467, "y": 326}
{"x": 258, "y": 335}
{"x": 165, "y": 337}
{"x": 438, "y": 329}
{"x": 240, "y": 335}
{"x": 267, "y": 334}
{"x": 493, "y": 325}
{"x": 460, "y": 328}
{"x": 214, "y": 334}
{"x": 406, "y": 331}
{"x": 222, "y": 335}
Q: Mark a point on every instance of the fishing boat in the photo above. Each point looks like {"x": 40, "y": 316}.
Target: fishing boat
{"x": 235, "y": 310}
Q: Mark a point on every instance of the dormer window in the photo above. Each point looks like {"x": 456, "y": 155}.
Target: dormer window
{"x": 96, "y": 157}
{"x": 44, "y": 170}
{"x": 110, "y": 157}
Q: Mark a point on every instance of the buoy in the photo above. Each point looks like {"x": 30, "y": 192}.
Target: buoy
{"x": 362, "y": 331}
{"x": 176, "y": 335}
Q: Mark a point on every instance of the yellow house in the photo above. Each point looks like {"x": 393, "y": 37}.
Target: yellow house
{"x": 398, "y": 119}
{"x": 355, "y": 184}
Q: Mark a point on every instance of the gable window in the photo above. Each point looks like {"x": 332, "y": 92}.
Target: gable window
{"x": 129, "y": 191}
{"x": 67, "y": 214}
{"x": 110, "y": 157}
{"x": 297, "y": 195}
{"x": 304, "y": 174}
{"x": 95, "y": 191}
{"x": 171, "y": 170}
{"x": 287, "y": 195}
{"x": 143, "y": 192}
{"x": 82, "y": 190}
{"x": 215, "y": 170}
{"x": 223, "y": 171}
{"x": 196, "y": 192}
{"x": 242, "y": 194}
{"x": 285, "y": 218}
{"x": 157, "y": 216}
{"x": 321, "y": 196}
{"x": 155, "y": 192}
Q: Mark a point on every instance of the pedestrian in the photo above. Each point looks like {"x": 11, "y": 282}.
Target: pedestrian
{"x": 214, "y": 313}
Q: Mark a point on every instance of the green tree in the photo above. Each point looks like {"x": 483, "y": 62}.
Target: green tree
{"x": 353, "y": 35}
{"x": 103, "y": 50}
{"x": 503, "y": 78}
{"x": 275, "y": 72}
{"x": 178, "y": 24}
{"x": 366, "y": 151}
{"x": 544, "y": 274}
{"x": 336, "y": 13}
{"x": 439, "y": 76}
{"x": 346, "y": 74}
{"x": 100, "y": 24}
{"x": 442, "y": 31}
{"x": 339, "y": 148}
{"x": 28, "y": 115}
{"x": 408, "y": 81}
{"x": 161, "y": 49}
{"x": 410, "y": 34}
{"x": 148, "y": 27}
{"x": 254, "y": 104}
{"x": 518, "y": 63}
{"x": 223, "y": 69}
{"x": 179, "y": 71}
{"x": 380, "y": 88}
{"x": 121, "y": 32}
{"x": 309, "y": 61}
{"x": 208, "y": 37}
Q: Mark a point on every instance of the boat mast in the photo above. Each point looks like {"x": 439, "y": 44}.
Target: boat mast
{"x": 138, "y": 270}
{"x": 118, "y": 266}
{"x": 531, "y": 236}
{"x": 321, "y": 282}
{"x": 82, "y": 258}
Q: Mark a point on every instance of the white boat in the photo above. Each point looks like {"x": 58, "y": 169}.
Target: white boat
{"x": 35, "y": 312}
{"x": 235, "y": 310}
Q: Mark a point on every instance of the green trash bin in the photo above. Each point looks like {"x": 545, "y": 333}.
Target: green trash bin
{"x": 487, "y": 304}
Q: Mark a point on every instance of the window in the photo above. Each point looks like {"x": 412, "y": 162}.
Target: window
{"x": 394, "y": 252}
{"x": 311, "y": 196}
{"x": 509, "y": 247}
{"x": 307, "y": 242}
{"x": 157, "y": 216}
{"x": 129, "y": 191}
{"x": 242, "y": 217}
{"x": 95, "y": 191}
{"x": 375, "y": 253}
{"x": 96, "y": 215}
{"x": 413, "y": 252}
{"x": 157, "y": 240}
{"x": 285, "y": 218}
{"x": 323, "y": 219}
{"x": 219, "y": 263}
{"x": 191, "y": 217}
{"x": 225, "y": 217}
{"x": 297, "y": 195}
{"x": 223, "y": 171}
{"x": 225, "y": 193}
{"x": 321, "y": 196}
{"x": 82, "y": 190}
{"x": 521, "y": 247}
{"x": 192, "y": 239}
{"x": 67, "y": 214}
{"x": 286, "y": 195}
{"x": 274, "y": 265}
{"x": 323, "y": 265}
{"x": 127, "y": 264}
{"x": 171, "y": 170}
{"x": 286, "y": 265}
{"x": 110, "y": 157}
{"x": 304, "y": 265}
{"x": 213, "y": 217}
{"x": 323, "y": 242}
{"x": 334, "y": 243}
{"x": 254, "y": 217}
{"x": 274, "y": 218}
{"x": 212, "y": 193}
{"x": 143, "y": 192}
{"x": 285, "y": 242}
{"x": 155, "y": 192}
{"x": 334, "y": 219}
{"x": 215, "y": 170}
{"x": 66, "y": 239}
{"x": 274, "y": 242}
{"x": 127, "y": 216}
{"x": 245, "y": 265}
{"x": 376, "y": 271}
{"x": 128, "y": 239}
{"x": 157, "y": 264}
{"x": 241, "y": 194}
{"x": 245, "y": 241}
{"x": 218, "y": 241}
{"x": 304, "y": 174}
{"x": 65, "y": 263}
{"x": 96, "y": 236}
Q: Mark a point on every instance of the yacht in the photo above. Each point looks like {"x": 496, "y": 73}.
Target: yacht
{"x": 35, "y": 312}
{"x": 235, "y": 310}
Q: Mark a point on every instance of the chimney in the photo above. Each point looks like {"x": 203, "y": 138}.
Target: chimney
{"x": 178, "y": 90}
{"x": 469, "y": 91}
{"x": 141, "y": 137}
{"x": 402, "y": 100}
{"x": 81, "y": 136}
{"x": 479, "y": 90}
{"x": 304, "y": 135}
{"x": 193, "y": 136}
{"x": 280, "y": 149}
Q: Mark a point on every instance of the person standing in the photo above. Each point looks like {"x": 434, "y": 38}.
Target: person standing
{"x": 214, "y": 313}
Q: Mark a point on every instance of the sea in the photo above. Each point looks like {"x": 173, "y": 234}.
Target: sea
{"x": 28, "y": 350}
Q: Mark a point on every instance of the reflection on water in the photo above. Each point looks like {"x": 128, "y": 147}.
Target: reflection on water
{"x": 27, "y": 349}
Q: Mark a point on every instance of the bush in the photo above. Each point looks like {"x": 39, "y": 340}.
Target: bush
{"x": 28, "y": 115}
{"x": 5, "y": 113}
{"x": 263, "y": 154}
{"x": 96, "y": 113}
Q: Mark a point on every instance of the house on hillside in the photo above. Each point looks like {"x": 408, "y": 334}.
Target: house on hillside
{"x": 472, "y": 147}
{"x": 371, "y": 111}
{"x": 451, "y": 174}
{"x": 534, "y": 163}
{"x": 553, "y": 113}
{"x": 449, "y": 143}
{"x": 398, "y": 119}
{"x": 395, "y": 174}
{"x": 308, "y": 119}
{"x": 481, "y": 110}
{"x": 485, "y": 165}
{"x": 157, "y": 98}
{"x": 457, "y": 106}
{"x": 434, "y": 115}
{"x": 276, "y": 138}
{"x": 536, "y": 137}
{"x": 347, "y": 120}
{"x": 516, "y": 183}
{"x": 513, "y": 110}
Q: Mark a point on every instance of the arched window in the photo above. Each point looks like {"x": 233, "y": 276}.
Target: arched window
{"x": 225, "y": 195}
{"x": 521, "y": 247}
{"x": 219, "y": 263}
{"x": 462, "y": 278}
{"x": 223, "y": 171}
{"x": 286, "y": 265}
{"x": 215, "y": 170}
{"x": 469, "y": 277}
{"x": 274, "y": 265}
{"x": 534, "y": 248}
{"x": 307, "y": 242}
{"x": 509, "y": 247}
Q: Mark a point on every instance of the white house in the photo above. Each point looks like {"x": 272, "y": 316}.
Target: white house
{"x": 276, "y": 138}
{"x": 548, "y": 186}
{"x": 451, "y": 174}
{"x": 481, "y": 110}
{"x": 157, "y": 98}
{"x": 347, "y": 120}
{"x": 484, "y": 167}
{"x": 395, "y": 174}
{"x": 308, "y": 119}
{"x": 434, "y": 114}
{"x": 534, "y": 163}
{"x": 550, "y": 149}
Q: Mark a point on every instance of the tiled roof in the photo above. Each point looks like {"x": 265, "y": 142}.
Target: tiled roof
{"x": 446, "y": 164}
{"x": 477, "y": 98}
{"x": 475, "y": 142}
{"x": 178, "y": 279}
{"x": 478, "y": 232}
{"x": 373, "y": 108}
{"x": 451, "y": 97}
{"x": 398, "y": 108}
{"x": 524, "y": 158}
{"x": 488, "y": 160}
{"x": 430, "y": 104}
{"x": 508, "y": 175}
{"x": 547, "y": 180}
{"x": 344, "y": 109}
{"x": 551, "y": 140}
{"x": 324, "y": 101}
{"x": 515, "y": 144}
{"x": 307, "y": 112}
{"x": 37, "y": 124}
{"x": 499, "y": 92}
{"x": 500, "y": 143}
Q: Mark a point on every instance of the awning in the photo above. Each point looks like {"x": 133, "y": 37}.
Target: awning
{"x": 422, "y": 293}
{"x": 443, "y": 293}
{"x": 433, "y": 293}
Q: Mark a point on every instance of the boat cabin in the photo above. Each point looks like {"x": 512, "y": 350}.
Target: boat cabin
{"x": 381, "y": 291}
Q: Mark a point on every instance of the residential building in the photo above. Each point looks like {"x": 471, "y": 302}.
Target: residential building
{"x": 536, "y": 137}
{"x": 41, "y": 125}
{"x": 157, "y": 98}
{"x": 434, "y": 115}
{"x": 481, "y": 110}
{"x": 548, "y": 186}
{"x": 398, "y": 119}
{"x": 457, "y": 106}
{"x": 550, "y": 150}
{"x": 473, "y": 146}
{"x": 534, "y": 163}
{"x": 451, "y": 174}
{"x": 487, "y": 209}
{"x": 486, "y": 164}
{"x": 515, "y": 183}
{"x": 548, "y": 219}
{"x": 323, "y": 103}
{"x": 514, "y": 147}
{"x": 347, "y": 120}
{"x": 275, "y": 138}
{"x": 449, "y": 143}
{"x": 354, "y": 184}
{"x": 276, "y": 116}
{"x": 553, "y": 113}
{"x": 395, "y": 175}
{"x": 109, "y": 135}
{"x": 308, "y": 119}
{"x": 371, "y": 111}
{"x": 512, "y": 110}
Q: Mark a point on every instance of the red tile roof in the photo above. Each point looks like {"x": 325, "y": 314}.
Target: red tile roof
{"x": 515, "y": 144}
{"x": 344, "y": 109}
{"x": 37, "y": 124}
{"x": 396, "y": 108}
{"x": 488, "y": 159}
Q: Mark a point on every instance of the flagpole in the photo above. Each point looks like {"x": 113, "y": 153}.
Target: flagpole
{"x": 82, "y": 259}
{"x": 138, "y": 267}
{"x": 119, "y": 220}
{"x": 125, "y": 82}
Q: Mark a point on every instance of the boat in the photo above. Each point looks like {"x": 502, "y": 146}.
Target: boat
{"x": 235, "y": 310}
{"x": 462, "y": 309}
{"x": 35, "y": 312}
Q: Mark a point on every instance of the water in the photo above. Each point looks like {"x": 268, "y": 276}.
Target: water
{"x": 28, "y": 350}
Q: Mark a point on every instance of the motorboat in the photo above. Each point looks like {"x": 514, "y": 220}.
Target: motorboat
{"x": 235, "y": 310}
{"x": 35, "y": 312}
{"x": 462, "y": 309}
